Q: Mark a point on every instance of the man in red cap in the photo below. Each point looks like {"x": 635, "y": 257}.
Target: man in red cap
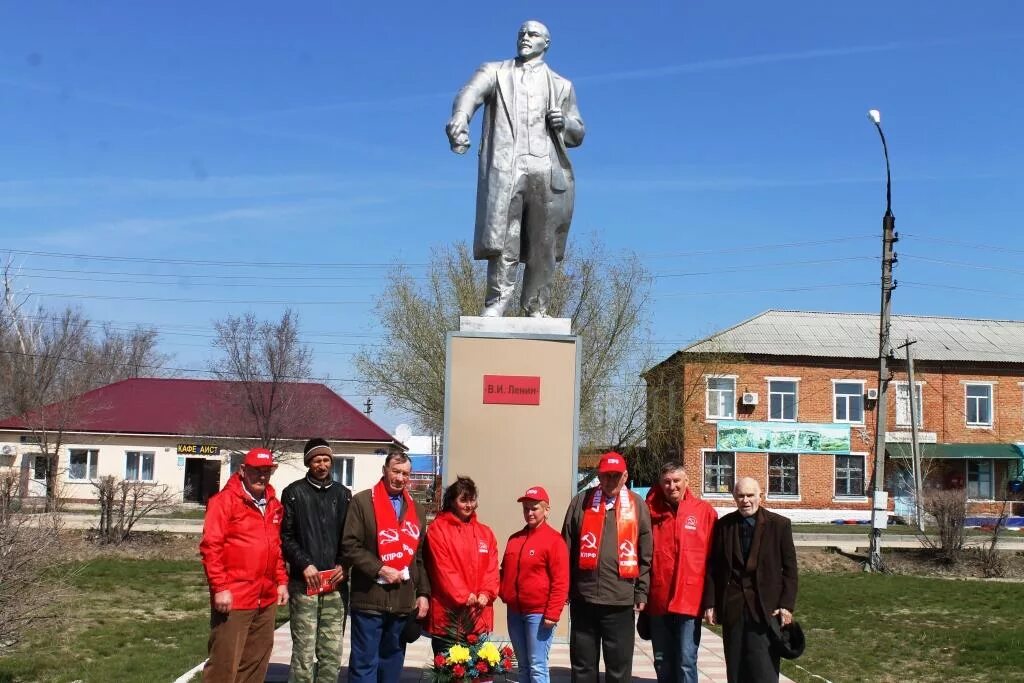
{"x": 608, "y": 531}
{"x": 241, "y": 550}
{"x": 534, "y": 585}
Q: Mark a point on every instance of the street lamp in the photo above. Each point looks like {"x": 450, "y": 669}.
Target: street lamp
{"x": 880, "y": 501}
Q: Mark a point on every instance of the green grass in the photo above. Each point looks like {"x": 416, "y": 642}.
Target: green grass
{"x": 894, "y": 529}
{"x": 878, "y": 628}
{"x": 130, "y": 620}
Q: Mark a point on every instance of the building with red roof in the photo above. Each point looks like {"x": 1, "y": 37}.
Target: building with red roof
{"x": 189, "y": 434}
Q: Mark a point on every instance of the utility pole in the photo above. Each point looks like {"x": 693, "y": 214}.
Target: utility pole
{"x": 915, "y": 448}
{"x": 368, "y": 406}
{"x": 880, "y": 501}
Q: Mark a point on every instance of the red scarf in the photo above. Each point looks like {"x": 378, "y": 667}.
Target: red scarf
{"x": 396, "y": 546}
{"x": 625, "y": 526}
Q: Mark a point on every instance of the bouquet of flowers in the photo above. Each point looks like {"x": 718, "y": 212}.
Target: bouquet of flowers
{"x": 471, "y": 657}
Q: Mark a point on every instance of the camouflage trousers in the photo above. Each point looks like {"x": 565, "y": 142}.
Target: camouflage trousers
{"x": 317, "y": 625}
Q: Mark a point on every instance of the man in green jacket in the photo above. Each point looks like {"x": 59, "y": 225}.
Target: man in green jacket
{"x": 382, "y": 545}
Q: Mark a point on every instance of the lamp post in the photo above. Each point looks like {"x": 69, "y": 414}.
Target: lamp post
{"x": 880, "y": 501}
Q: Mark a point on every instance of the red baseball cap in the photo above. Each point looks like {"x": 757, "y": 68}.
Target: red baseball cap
{"x": 535, "y": 493}
{"x": 611, "y": 462}
{"x": 259, "y": 457}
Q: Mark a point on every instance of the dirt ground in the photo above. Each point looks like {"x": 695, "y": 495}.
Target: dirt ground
{"x": 972, "y": 564}
{"x": 149, "y": 545}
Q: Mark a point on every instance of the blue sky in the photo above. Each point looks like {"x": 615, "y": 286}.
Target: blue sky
{"x": 234, "y": 156}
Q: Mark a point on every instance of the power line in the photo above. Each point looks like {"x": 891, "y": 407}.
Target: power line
{"x": 199, "y": 262}
{"x": 967, "y": 245}
{"x": 368, "y": 264}
{"x": 759, "y": 247}
{"x": 802, "y": 288}
{"x": 962, "y": 264}
{"x": 154, "y": 299}
{"x": 767, "y": 266}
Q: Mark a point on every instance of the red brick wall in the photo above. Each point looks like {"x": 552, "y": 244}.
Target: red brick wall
{"x": 943, "y": 413}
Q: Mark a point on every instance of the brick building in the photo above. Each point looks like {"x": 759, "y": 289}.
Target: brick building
{"x": 788, "y": 397}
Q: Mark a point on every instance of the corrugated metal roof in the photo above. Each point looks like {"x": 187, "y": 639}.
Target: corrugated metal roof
{"x": 207, "y": 407}
{"x": 855, "y": 335}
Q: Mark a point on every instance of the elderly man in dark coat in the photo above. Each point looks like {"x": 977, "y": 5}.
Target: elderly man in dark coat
{"x": 525, "y": 185}
{"x": 752, "y": 577}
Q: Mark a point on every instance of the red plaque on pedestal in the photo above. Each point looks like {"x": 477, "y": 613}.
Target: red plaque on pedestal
{"x": 512, "y": 390}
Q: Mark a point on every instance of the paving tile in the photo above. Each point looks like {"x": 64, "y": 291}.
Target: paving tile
{"x": 710, "y": 661}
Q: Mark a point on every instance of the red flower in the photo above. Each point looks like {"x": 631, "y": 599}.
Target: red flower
{"x": 458, "y": 671}
{"x": 439, "y": 660}
{"x": 472, "y": 639}
{"x": 506, "y": 664}
{"x": 507, "y": 651}
{"x": 482, "y": 667}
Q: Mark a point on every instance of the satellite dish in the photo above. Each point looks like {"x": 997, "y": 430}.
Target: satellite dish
{"x": 403, "y": 432}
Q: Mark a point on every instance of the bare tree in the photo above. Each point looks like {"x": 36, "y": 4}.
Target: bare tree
{"x": 123, "y": 503}
{"x": 675, "y": 391}
{"x": 33, "y": 586}
{"x": 605, "y": 297}
{"x": 48, "y": 360}
{"x": 262, "y": 362}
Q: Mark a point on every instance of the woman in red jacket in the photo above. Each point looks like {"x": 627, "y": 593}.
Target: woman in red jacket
{"x": 534, "y": 585}
{"x": 462, "y": 561}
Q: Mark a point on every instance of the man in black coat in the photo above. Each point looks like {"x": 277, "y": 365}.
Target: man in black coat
{"x": 314, "y": 515}
{"x": 752, "y": 577}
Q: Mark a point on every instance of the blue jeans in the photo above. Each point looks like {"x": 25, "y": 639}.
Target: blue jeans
{"x": 675, "y": 639}
{"x": 532, "y": 643}
{"x": 377, "y": 653}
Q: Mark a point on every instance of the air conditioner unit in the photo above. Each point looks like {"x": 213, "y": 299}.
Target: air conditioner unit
{"x": 749, "y": 398}
{"x": 872, "y": 394}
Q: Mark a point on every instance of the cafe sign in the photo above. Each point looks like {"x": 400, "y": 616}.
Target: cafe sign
{"x": 198, "y": 449}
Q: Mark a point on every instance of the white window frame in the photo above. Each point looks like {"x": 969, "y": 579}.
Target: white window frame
{"x": 991, "y": 405}
{"x": 346, "y": 465}
{"x": 835, "y": 478}
{"x": 707, "y": 397}
{"x": 796, "y": 399}
{"x": 141, "y": 455}
{"x": 768, "y": 478}
{"x": 835, "y": 417}
{"x": 991, "y": 478}
{"x": 896, "y": 403}
{"x": 703, "y": 477}
{"x": 92, "y": 456}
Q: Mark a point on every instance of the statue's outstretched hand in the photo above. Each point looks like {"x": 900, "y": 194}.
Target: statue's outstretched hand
{"x": 458, "y": 133}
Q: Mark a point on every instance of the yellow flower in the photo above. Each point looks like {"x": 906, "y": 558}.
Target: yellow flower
{"x": 489, "y": 651}
{"x": 458, "y": 654}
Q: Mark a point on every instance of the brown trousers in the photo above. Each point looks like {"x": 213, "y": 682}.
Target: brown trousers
{"x": 240, "y": 645}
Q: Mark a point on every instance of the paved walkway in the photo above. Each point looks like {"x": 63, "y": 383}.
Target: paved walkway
{"x": 710, "y": 660}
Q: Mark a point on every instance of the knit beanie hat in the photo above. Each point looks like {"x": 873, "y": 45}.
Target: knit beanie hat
{"x": 316, "y": 446}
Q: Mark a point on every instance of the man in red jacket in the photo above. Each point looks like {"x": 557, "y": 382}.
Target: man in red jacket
{"x": 241, "y": 551}
{"x": 682, "y": 527}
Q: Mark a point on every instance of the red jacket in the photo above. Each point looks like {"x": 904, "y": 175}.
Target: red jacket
{"x": 535, "y": 572}
{"x": 462, "y": 558}
{"x": 682, "y": 541}
{"x": 241, "y": 548}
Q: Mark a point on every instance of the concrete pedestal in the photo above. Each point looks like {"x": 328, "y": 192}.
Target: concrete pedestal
{"x": 511, "y": 419}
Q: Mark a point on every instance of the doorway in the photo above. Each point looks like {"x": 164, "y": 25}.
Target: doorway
{"x": 202, "y": 479}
